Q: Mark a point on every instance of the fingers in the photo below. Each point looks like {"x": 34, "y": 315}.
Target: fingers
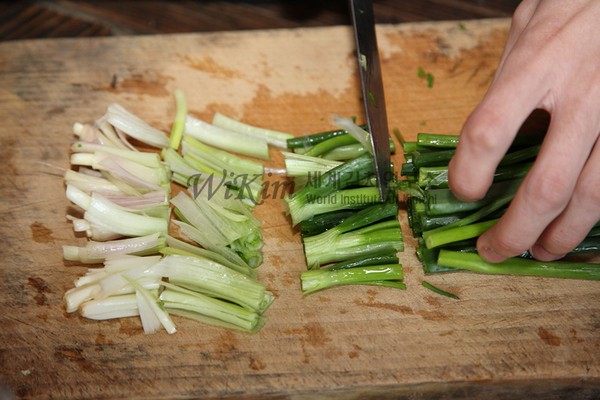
{"x": 491, "y": 128}
{"x": 580, "y": 215}
{"x": 520, "y": 20}
{"x": 518, "y": 88}
{"x": 546, "y": 192}
{"x": 545, "y": 65}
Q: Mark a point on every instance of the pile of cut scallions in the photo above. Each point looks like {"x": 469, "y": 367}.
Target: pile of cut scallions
{"x": 123, "y": 203}
{"x": 349, "y": 235}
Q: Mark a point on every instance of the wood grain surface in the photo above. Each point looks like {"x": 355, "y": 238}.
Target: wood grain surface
{"x": 506, "y": 338}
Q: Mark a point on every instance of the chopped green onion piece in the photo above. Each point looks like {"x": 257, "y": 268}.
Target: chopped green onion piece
{"x": 226, "y": 139}
{"x": 275, "y": 138}
{"x": 319, "y": 279}
{"x": 439, "y": 291}
{"x": 520, "y": 266}
{"x": 179, "y": 122}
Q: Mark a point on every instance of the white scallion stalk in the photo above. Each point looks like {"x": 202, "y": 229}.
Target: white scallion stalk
{"x": 78, "y": 295}
{"x": 148, "y": 304}
{"x": 363, "y": 137}
{"x": 113, "y": 136}
{"x": 181, "y": 170}
{"x": 144, "y": 201}
{"x": 125, "y": 262}
{"x": 197, "y": 217}
{"x": 205, "y": 241}
{"x": 153, "y": 175}
{"x": 226, "y": 139}
{"x": 179, "y": 123}
{"x": 95, "y": 252}
{"x": 190, "y": 249}
{"x": 301, "y": 165}
{"x": 93, "y": 275}
{"x": 216, "y": 280}
{"x": 144, "y": 158}
{"x": 219, "y": 159}
{"x": 89, "y": 183}
{"x": 78, "y": 197}
{"x": 141, "y": 177}
{"x": 85, "y": 132}
{"x": 141, "y": 269}
{"x": 135, "y": 127}
{"x": 127, "y": 222}
{"x": 215, "y": 311}
{"x": 110, "y": 307}
{"x": 274, "y": 138}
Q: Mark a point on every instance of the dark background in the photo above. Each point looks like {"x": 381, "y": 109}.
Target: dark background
{"x": 63, "y": 18}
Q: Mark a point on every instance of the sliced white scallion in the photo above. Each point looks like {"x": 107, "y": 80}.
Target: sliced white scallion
{"x": 363, "y": 137}
{"x": 270, "y": 136}
{"x": 122, "y": 306}
{"x": 144, "y": 158}
{"x": 179, "y": 123}
{"x": 151, "y": 311}
{"x": 94, "y": 252}
{"x": 180, "y": 301}
{"x": 107, "y": 216}
{"x": 214, "y": 279}
{"x": 135, "y": 127}
{"x": 226, "y": 139}
{"x": 301, "y": 165}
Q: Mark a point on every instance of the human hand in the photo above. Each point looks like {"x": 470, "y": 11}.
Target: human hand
{"x": 551, "y": 61}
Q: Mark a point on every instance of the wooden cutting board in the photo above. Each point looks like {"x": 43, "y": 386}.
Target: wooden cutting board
{"x": 506, "y": 338}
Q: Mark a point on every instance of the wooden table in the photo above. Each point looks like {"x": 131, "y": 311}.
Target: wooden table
{"x": 506, "y": 338}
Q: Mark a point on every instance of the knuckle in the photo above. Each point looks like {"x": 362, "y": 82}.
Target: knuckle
{"x": 481, "y": 132}
{"x": 548, "y": 193}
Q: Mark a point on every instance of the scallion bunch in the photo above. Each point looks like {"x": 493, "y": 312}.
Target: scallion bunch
{"x": 349, "y": 235}
{"x": 447, "y": 228}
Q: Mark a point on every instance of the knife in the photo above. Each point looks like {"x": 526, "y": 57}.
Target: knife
{"x": 372, "y": 89}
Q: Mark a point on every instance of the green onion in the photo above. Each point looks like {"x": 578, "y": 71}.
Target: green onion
{"x": 320, "y": 279}
{"x": 275, "y": 138}
{"x": 211, "y": 278}
{"x": 226, "y": 139}
{"x": 438, "y": 290}
{"x": 385, "y": 257}
{"x": 347, "y": 174}
{"x": 330, "y": 145}
{"x": 95, "y": 252}
{"x": 179, "y": 122}
{"x": 437, "y": 140}
{"x": 314, "y": 139}
{"x": 520, "y": 266}
{"x": 151, "y": 313}
{"x": 303, "y": 165}
{"x": 336, "y": 245}
{"x": 362, "y": 136}
{"x": 190, "y": 304}
{"x": 135, "y": 127}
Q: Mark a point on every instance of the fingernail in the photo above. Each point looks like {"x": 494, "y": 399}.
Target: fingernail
{"x": 490, "y": 255}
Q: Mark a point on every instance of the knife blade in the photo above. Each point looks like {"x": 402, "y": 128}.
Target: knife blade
{"x": 372, "y": 89}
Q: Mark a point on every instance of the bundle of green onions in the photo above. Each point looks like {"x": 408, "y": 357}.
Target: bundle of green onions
{"x": 349, "y": 235}
{"x": 447, "y": 228}
{"x": 125, "y": 198}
